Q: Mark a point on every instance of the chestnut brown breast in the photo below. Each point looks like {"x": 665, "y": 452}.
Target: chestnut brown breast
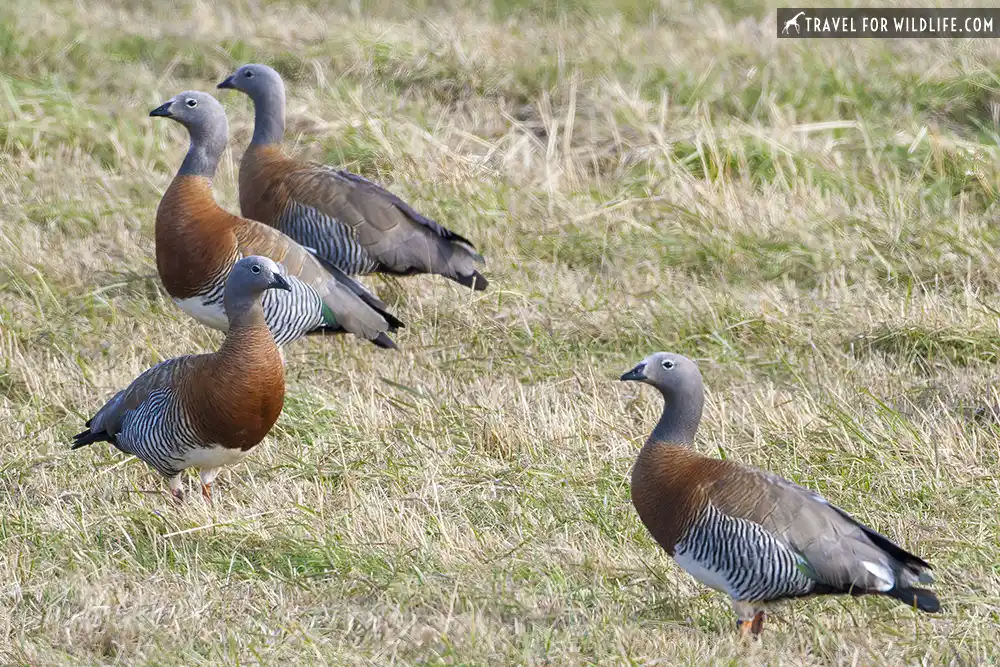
{"x": 237, "y": 395}
{"x": 195, "y": 243}
{"x": 669, "y": 485}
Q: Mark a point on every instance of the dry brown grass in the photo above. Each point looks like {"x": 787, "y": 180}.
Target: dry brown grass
{"x": 814, "y": 222}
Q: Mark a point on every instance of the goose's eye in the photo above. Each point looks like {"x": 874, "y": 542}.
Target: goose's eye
{"x": 255, "y": 269}
{"x": 192, "y": 103}
{"x": 667, "y": 364}
{"x": 248, "y": 74}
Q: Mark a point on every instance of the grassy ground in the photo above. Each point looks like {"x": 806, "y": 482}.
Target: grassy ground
{"x": 815, "y": 222}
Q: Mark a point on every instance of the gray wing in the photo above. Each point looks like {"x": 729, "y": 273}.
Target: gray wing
{"x": 341, "y": 306}
{"x": 362, "y": 227}
{"x": 839, "y": 553}
{"x": 165, "y": 375}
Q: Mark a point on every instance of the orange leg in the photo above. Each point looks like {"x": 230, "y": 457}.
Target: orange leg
{"x": 206, "y": 492}
{"x": 750, "y": 621}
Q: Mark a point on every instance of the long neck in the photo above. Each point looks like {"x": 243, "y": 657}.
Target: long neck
{"x": 244, "y": 313}
{"x": 269, "y": 116}
{"x": 679, "y": 422}
{"x": 248, "y": 336}
{"x": 202, "y": 158}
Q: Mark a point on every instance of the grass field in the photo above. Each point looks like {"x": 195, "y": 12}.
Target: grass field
{"x": 814, "y": 222}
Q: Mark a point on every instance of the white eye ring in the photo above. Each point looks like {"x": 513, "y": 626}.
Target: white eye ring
{"x": 248, "y": 74}
{"x": 667, "y": 364}
{"x": 255, "y": 268}
{"x": 192, "y": 103}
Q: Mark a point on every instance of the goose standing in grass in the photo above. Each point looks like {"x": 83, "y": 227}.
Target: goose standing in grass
{"x": 207, "y": 410}
{"x": 748, "y": 533}
{"x": 197, "y": 243}
{"x": 353, "y": 223}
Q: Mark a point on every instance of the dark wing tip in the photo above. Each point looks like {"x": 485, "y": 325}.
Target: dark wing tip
{"x": 383, "y": 341}
{"x": 476, "y": 281}
{"x": 394, "y": 322}
{"x": 361, "y": 292}
{"x": 87, "y": 437}
{"x": 921, "y": 598}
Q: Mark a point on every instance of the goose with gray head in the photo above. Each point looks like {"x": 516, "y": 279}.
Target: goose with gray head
{"x": 208, "y": 410}
{"x": 754, "y": 536}
{"x": 198, "y": 242}
{"x": 358, "y": 226}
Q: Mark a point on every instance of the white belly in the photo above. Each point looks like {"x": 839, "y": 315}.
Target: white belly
{"x": 711, "y": 578}
{"x": 207, "y": 458}
{"x": 213, "y": 316}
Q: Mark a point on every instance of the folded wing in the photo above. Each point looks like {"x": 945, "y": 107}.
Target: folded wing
{"x": 837, "y": 552}
{"x": 347, "y": 305}
{"x": 389, "y": 231}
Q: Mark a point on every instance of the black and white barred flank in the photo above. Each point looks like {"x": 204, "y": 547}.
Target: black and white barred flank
{"x": 159, "y": 432}
{"x": 741, "y": 558}
{"x": 289, "y": 315}
{"x": 335, "y": 242}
